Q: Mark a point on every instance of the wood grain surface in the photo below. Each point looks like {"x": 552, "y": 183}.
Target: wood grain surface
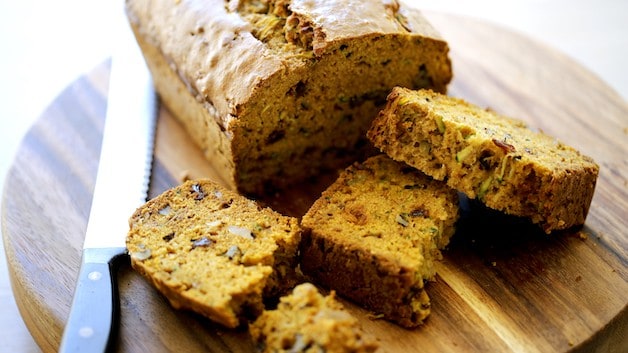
{"x": 503, "y": 285}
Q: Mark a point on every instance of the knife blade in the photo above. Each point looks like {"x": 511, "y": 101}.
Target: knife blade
{"x": 121, "y": 186}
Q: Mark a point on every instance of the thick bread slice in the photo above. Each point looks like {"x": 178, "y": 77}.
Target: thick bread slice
{"x": 374, "y": 234}
{"x": 276, "y": 91}
{"x": 493, "y": 158}
{"x": 212, "y": 251}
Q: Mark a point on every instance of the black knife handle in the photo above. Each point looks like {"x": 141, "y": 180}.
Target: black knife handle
{"x": 94, "y": 314}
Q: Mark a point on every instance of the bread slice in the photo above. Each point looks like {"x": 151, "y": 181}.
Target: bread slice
{"x": 274, "y": 91}
{"x": 212, "y": 251}
{"x": 374, "y": 234}
{"x": 307, "y": 321}
{"x": 489, "y": 157}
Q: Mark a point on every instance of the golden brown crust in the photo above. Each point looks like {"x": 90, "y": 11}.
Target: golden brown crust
{"x": 208, "y": 46}
{"x": 213, "y": 251}
{"x": 289, "y": 87}
{"x": 493, "y": 158}
{"x": 374, "y": 234}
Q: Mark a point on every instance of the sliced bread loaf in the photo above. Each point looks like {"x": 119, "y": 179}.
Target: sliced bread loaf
{"x": 276, "y": 91}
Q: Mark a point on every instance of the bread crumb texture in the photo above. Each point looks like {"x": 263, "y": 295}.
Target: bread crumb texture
{"x": 210, "y": 250}
{"x": 487, "y": 156}
{"x": 378, "y": 230}
{"x": 306, "y": 321}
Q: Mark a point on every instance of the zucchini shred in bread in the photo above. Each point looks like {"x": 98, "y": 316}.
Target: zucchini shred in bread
{"x": 374, "y": 234}
{"x": 210, "y": 250}
{"x": 306, "y": 321}
{"x": 273, "y": 91}
{"x": 488, "y": 157}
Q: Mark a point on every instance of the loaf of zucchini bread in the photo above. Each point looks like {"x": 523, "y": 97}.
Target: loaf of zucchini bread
{"x": 212, "y": 251}
{"x": 487, "y": 156}
{"x": 276, "y": 91}
{"x": 374, "y": 234}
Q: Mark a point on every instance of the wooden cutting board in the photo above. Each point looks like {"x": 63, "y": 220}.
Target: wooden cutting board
{"x": 502, "y": 285}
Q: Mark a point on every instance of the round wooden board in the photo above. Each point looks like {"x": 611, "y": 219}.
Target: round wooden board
{"x": 502, "y": 285}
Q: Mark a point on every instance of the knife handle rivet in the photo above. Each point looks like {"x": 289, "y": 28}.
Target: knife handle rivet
{"x": 94, "y": 275}
{"x": 86, "y": 332}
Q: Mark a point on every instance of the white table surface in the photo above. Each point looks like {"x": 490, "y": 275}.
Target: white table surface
{"x": 48, "y": 44}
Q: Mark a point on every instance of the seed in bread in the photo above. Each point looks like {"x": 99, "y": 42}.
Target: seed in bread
{"x": 212, "y": 251}
{"x": 374, "y": 234}
{"x": 488, "y": 157}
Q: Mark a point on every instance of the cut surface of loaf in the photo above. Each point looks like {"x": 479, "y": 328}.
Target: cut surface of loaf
{"x": 212, "y": 251}
{"x": 307, "y": 321}
{"x": 374, "y": 234}
{"x": 277, "y": 91}
{"x": 487, "y": 156}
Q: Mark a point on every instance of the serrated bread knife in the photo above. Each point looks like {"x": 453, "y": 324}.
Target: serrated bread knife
{"x": 121, "y": 187}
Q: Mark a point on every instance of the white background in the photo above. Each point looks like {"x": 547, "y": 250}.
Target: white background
{"x": 46, "y": 45}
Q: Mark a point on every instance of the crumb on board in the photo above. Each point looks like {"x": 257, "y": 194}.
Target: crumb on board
{"x": 373, "y": 316}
